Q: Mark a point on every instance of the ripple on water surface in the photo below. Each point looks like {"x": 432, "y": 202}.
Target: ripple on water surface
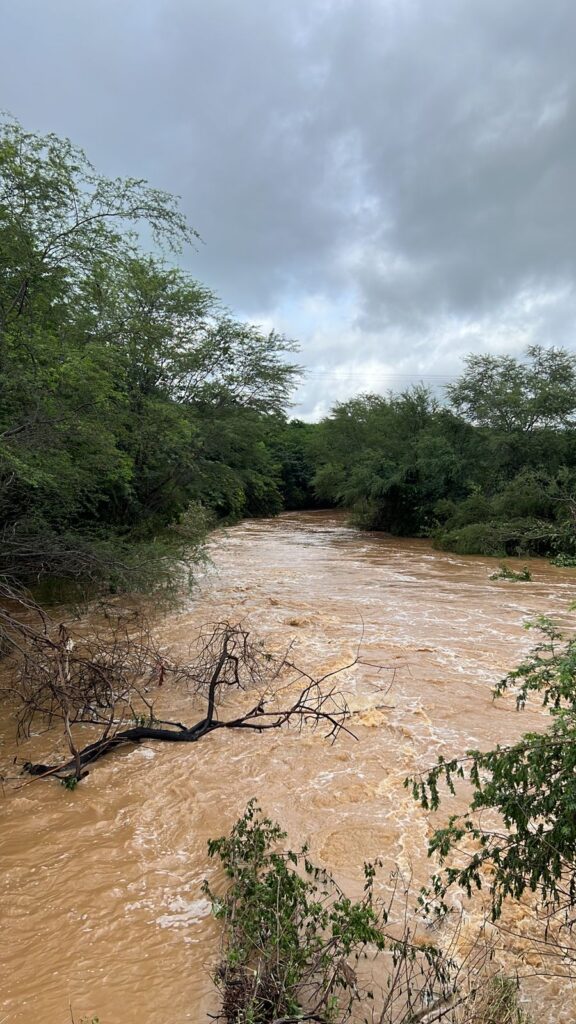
{"x": 102, "y": 900}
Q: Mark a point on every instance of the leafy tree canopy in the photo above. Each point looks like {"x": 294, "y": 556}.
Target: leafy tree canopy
{"x": 508, "y": 394}
{"x": 494, "y": 474}
{"x": 127, "y": 390}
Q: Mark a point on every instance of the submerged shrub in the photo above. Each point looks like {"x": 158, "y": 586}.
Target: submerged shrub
{"x": 505, "y": 573}
{"x": 495, "y": 1002}
{"x": 474, "y": 539}
{"x": 292, "y": 939}
{"x": 518, "y": 537}
{"x": 564, "y": 561}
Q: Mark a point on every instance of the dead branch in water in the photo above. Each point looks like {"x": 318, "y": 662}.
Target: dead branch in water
{"x": 112, "y": 682}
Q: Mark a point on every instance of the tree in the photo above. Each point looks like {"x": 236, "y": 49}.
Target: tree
{"x": 531, "y": 785}
{"x": 129, "y": 396}
{"x": 509, "y": 395}
{"x": 390, "y": 460}
{"x": 291, "y": 445}
{"x": 114, "y": 682}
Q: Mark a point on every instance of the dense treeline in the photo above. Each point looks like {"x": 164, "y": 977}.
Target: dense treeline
{"x": 492, "y": 472}
{"x": 134, "y": 410}
{"x": 133, "y": 407}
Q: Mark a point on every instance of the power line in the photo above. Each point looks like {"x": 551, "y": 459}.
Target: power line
{"x": 320, "y": 375}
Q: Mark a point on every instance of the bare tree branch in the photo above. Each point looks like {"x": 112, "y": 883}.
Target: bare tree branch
{"x": 106, "y": 681}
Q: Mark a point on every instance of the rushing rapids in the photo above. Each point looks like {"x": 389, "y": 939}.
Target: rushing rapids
{"x": 102, "y": 909}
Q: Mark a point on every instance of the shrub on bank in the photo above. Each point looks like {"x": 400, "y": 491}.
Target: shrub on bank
{"x": 292, "y": 941}
{"x": 518, "y": 537}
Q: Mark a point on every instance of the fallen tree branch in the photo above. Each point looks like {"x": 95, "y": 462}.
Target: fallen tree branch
{"x": 101, "y": 681}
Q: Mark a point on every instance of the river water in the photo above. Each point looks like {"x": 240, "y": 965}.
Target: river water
{"x": 101, "y": 907}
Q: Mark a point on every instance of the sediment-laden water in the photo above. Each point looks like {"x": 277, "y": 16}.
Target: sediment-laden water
{"x": 101, "y": 888}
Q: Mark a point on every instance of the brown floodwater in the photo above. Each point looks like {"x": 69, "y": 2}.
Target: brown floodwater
{"x": 102, "y": 909}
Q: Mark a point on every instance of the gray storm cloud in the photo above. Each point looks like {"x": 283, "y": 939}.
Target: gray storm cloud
{"x": 391, "y": 182}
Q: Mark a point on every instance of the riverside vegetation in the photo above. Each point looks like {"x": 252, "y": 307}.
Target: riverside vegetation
{"x": 134, "y": 408}
{"x": 491, "y": 472}
{"x": 294, "y": 946}
{"x": 135, "y": 412}
{"x": 293, "y": 940}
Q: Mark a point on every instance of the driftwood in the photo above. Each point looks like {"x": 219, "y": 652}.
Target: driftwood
{"x": 112, "y": 683}
{"x": 312, "y": 706}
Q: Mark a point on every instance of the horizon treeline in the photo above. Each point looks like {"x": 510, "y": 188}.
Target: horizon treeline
{"x": 135, "y": 411}
{"x": 492, "y": 471}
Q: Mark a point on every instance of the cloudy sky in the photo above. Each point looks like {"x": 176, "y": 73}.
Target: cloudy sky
{"x": 391, "y": 182}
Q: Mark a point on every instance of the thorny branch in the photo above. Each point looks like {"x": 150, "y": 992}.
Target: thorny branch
{"x": 111, "y": 681}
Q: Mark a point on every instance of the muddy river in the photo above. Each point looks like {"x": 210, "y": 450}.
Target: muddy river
{"x": 102, "y": 910}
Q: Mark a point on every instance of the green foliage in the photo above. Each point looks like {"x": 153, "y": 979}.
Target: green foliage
{"x": 494, "y": 476}
{"x": 519, "y": 537}
{"x": 564, "y": 561}
{"x": 474, "y": 539}
{"x": 505, "y": 573}
{"x": 292, "y": 940}
{"x": 129, "y": 398}
{"x": 290, "y": 931}
{"x": 530, "y": 494}
{"x": 70, "y": 782}
{"x": 390, "y": 460}
{"x": 291, "y": 445}
{"x": 530, "y": 784}
{"x": 474, "y": 509}
{"x": 507, "y": 395}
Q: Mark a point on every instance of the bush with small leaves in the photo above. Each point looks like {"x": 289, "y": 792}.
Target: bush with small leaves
{"x": 505, "y": 573}
{"x": 293, "y": 939}
{"x": 531, "y": 787}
